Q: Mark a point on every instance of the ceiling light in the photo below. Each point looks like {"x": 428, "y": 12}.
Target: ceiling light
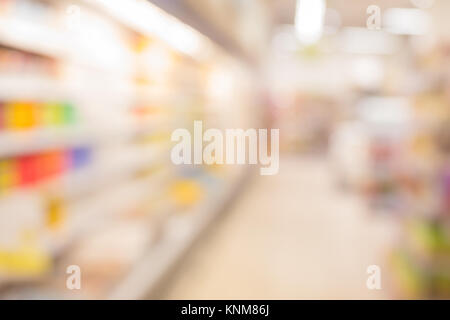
{"x": 309, "y": 19}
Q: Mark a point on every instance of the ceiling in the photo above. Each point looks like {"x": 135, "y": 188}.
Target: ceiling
{"x": 352, "y": 12}
{"x": 243, "y": 27}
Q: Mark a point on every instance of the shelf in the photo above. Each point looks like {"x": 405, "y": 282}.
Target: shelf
{"x": 52, "y": 43}
{"x": 100, "y": 175}
{"x": 179, "y": 235}
{"x": 97, "y": 175}
{"x": 108, "y": 205}
{"x": 14, "y": 143}
{"x": 19, "y": 86}
{"x": 32, "y": 37}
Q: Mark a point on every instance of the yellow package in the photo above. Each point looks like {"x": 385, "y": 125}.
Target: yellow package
{"x": 51, "y": 114}
{"x": 27, "y": 260}
{"x": 55, "y": 214}
{"x": 8, "y": 175}
{"x": 20, "y": 116}
{"x": 187, "y": 192}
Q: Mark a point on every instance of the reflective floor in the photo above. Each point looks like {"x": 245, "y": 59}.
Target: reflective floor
{"x": 295, "y": 235}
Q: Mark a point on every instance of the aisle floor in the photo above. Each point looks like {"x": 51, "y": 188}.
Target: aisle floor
{"x": 294, "y": 235}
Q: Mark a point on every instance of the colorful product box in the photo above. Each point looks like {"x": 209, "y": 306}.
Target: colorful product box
{"x": 51, "y": 114}
{"x": 54, "y": 163}
{"x": 47, "y": 164}
{"x": 80, "y": 157}
{"x": 20, "y": 115}
{"x": 28, "y": 170}
{"x": 8, "y": 175}
{"x": 2, "y": 116}
{"x": 35, "y": 168}
{"x": 69, "y": 113}
{"x": 27, "y": 115}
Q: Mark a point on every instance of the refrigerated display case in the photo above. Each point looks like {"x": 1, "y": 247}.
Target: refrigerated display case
{"x": 90, "y": 92}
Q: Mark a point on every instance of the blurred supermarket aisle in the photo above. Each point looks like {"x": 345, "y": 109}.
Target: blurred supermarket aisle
{"x": 94, "y": 95}
{"x": 293, "y": 235}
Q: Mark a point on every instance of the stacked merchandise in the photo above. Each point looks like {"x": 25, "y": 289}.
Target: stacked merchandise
{"x": 307, "y": 121}
{"x": 386, "y": 166}
{"x": 422, "y": 263}
{"x": 409, "y": 178}
{"x": 89, "y": 97}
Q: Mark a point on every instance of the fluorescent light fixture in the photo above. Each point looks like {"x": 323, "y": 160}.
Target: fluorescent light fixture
{"x": 406, "y": 21}
{"x": 309, "y": 17}
{"x": 149, "y": 19}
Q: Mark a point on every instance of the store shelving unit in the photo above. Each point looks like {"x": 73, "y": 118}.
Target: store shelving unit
{"x": 408, "y": 177}
{"x": 86, "y": 112}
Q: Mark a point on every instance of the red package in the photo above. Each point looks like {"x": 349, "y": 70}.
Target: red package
{"x": 28, "y": 167}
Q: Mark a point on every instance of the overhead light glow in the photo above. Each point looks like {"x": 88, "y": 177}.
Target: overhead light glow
{"x": 309, "y": 18}
{"x": 149, "y": 19}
